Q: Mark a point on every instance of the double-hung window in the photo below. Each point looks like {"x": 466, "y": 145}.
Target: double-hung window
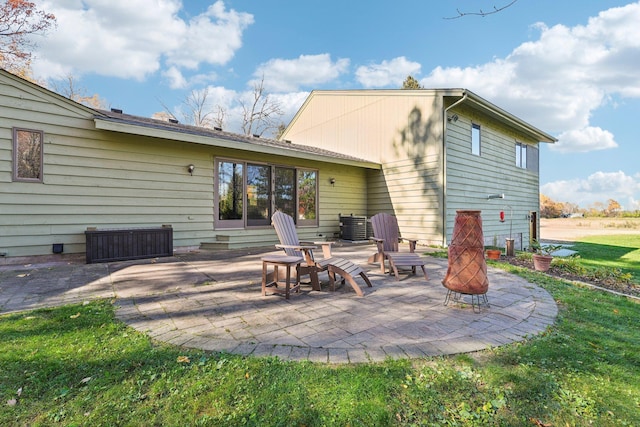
{"x": 27, "y": 155}
{"x": 247, "y": 194}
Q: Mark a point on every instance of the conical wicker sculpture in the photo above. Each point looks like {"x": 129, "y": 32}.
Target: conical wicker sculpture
{"x": 467, "y": 272}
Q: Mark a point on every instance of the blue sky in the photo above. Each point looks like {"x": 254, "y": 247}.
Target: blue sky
{"x": 570, "y": 68}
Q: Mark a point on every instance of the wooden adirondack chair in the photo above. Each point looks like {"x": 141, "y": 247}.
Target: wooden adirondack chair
{"x": 289, "y": 242}
{"x": 387, "y": 238}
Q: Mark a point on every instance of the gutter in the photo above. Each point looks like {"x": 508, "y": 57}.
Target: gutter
{"x": 444, "y": 165}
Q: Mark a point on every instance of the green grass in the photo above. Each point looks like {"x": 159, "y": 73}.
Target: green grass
{"x": 620, "y": 251}
{"x": 78, "y": 365}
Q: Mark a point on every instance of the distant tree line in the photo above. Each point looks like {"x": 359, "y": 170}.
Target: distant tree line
{"x": 551, "y": 209}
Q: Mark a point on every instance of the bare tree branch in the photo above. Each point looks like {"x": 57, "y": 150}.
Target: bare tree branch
{"x": 71, "y": 88}
{"x": 481, "y": 12}
{"x": 196, "y": 110}
{"x": 263, "y": 113}
{"x": 221, "y": 117}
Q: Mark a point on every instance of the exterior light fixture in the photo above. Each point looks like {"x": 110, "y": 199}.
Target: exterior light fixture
{"x": 453, "y": 118}
{"x": 191, "y": 168}
{"x": 332, "y": 181}
{"x": 495, "y": 196}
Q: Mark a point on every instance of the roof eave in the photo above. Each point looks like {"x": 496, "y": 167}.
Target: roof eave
{"x": 105, "y": 123}
{"x": 510, "y": 119}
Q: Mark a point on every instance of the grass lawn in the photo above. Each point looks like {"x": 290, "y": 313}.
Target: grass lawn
{"x": 620, "y": 251}
{"x": 78, "y": 365}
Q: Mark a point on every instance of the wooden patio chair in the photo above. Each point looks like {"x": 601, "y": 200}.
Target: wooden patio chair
{"x": 387, "y": 238}
{"x": 289, "y": 242}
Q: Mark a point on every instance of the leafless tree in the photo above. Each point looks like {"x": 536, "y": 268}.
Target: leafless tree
{"x": 196, "y": 110}
{"x": 220, "y": 116}
{"x": 70, "y": 87}
{"x": 482, "y": 12}
{"x": 262, "y": 114}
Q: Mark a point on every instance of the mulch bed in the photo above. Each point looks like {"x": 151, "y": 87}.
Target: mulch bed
{"x": 633, "y": 290}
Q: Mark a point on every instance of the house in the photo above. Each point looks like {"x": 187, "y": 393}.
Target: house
{"x": 441, "y": 150}
{"x": 66, "y": 168}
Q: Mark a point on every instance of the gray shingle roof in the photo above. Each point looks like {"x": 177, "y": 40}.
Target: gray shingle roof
{"x": 116, "y": 116}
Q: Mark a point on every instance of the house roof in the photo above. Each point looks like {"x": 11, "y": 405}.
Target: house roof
{"x": 505, "y": 117}
{"x": 126, "y": 123}
{"x": 136, "y": 125}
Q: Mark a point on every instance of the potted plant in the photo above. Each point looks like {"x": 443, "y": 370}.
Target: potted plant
{"x": 543, "y": 255}
{"x": 493, "y": 253}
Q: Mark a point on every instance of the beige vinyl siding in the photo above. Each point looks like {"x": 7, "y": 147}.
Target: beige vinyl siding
{"x": 471, "y": 178}
{"x": 400, "y": 130}
{"x": 403, "y": 131}
{"x": 379, "y": 126}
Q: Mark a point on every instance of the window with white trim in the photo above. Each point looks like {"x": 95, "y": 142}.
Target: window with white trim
{"x": 248, "y": 193}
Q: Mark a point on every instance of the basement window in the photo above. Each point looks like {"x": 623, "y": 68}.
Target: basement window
{"x": 27, "y": 155}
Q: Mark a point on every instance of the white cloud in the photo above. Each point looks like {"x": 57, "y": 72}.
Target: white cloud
{"x": 288, "y": 75}
{"x": 558, "y": 80}
{"x": 290, "y": 103}
{"x": 175, "y": 77}
{"x": 584, "y": 140}
{"x": 212, "y": 37}
{"x": 598, "y": 187}
{"x": 115, "y": 39}
{"x": 387, "y": 73}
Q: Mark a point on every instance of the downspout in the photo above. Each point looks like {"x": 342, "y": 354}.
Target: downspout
{"x": 444, "y": 167}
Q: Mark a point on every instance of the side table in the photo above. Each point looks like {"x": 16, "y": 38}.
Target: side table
{"x": 272, "y": 279}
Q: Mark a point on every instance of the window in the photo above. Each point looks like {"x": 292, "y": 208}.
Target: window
{"x": 285, "y": 191}
{"x": 258, "y": 195}
{"x": 521, "y": 155}
{"x": 247, "y": 194}
{"x": 230, "y": 193}
{"x": 307, "y": 184}
{"x": 27, "y": 155}
{"x": 527, "y": 157}
{"x": 475, "y": 139}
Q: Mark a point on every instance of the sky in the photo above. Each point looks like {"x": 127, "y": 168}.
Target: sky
{"x": 570, "y": 68}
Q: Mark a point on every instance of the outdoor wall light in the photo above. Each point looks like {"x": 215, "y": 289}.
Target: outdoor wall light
{"x": 453, "y": 118}
{"x": 495, "y": 196}
{"x": 332, "y": 181}
{"x": 191, "y": 168}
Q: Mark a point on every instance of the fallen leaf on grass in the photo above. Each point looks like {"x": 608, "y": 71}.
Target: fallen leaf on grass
{"x": 540, "y": 423}
{"x": 85, "y": 380}
{"x": 75, "y": 316}
{"x": 183, "y": 359}
{"x": 12, "y": 402}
